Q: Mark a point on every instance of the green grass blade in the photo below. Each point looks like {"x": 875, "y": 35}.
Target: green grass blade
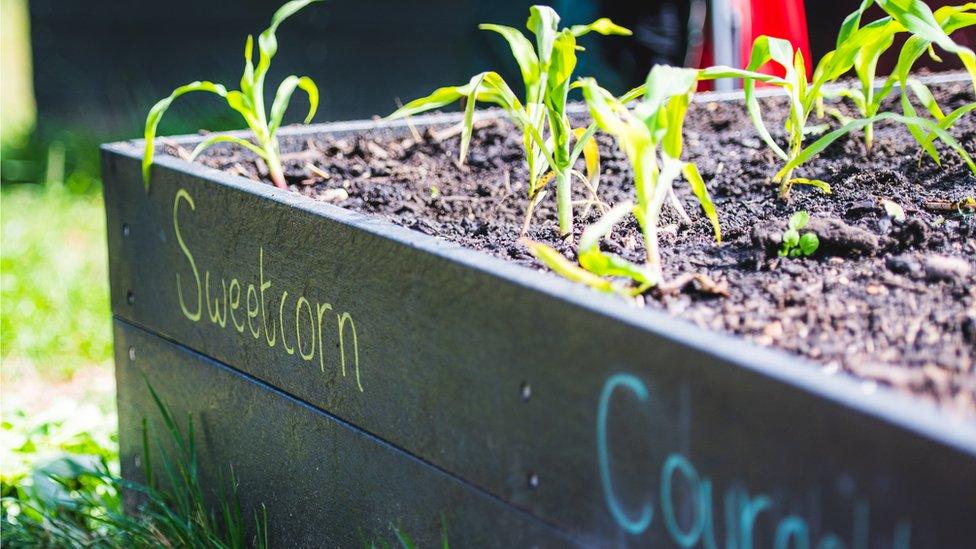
{"x": 156, "y": 114}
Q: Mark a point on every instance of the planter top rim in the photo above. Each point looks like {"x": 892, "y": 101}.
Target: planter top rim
{"x": 878, "y": 402}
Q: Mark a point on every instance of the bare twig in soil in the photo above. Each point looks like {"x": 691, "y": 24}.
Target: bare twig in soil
{"x": 413, "y": 129}
{"x": 963, "y": 205}
{"x": 180, "y": 151}
{"x": 455, "y": 130}
{"x": 323, "y": 175}
{"x": 702, "y": 283}
{"x": 307, "y": 154}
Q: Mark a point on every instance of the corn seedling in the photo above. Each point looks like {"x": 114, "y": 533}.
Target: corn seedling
{"x": 650, "y": 136}
{"x": 803, "y": 96}
{"x": 795, "y": 245}
{"x": 546, "y": 68}
{"x": 866, "y": 45}
{"x": 248, "y": 101}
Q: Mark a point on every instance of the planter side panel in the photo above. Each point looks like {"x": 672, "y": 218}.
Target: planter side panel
{"x": 634, "y": 430}
{"x": 324, "y": 483}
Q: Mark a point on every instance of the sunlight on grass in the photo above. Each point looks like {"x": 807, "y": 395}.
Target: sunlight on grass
{"x": 55, "y": 308}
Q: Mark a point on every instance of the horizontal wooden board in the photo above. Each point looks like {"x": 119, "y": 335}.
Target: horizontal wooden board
{"x": 497, "y": 374}
{"x": 324, "y": 483}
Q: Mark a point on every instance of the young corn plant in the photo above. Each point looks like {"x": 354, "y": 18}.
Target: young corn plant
{"x": 650, "y": 136}
{"x": 248, "y": 101}
{"x": 546, "y": 68}
{"x": 803, "y": 96}
{"x": 930, "y": 28}
{"x": 874, "y": 39}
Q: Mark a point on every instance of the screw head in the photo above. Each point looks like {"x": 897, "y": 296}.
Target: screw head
{"x": 525, "y": 391}
{"x": 132, "y": 353}
{"x": 533, "y": 481}
{"x": 131, "y": 298}
{"x": 125, "y": 229}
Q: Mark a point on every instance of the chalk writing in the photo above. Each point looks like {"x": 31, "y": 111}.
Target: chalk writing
{"x": 742, "y": 511}
{"x": 313, "y": 327}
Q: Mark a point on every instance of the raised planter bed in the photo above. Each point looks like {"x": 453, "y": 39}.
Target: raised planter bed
{"x": 537, "y": 400}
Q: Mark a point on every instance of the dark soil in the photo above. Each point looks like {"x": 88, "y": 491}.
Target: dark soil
{"x": 889, "y": 302}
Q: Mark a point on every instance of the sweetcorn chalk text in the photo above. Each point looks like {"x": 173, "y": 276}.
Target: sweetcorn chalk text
{"x": 301, "y": 325}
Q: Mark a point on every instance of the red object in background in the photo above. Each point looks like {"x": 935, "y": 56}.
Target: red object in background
{"x": 742, "y": 21}
{"x": 781, "y": 19}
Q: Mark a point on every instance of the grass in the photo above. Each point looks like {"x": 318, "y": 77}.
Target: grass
{"x": 55, "y": 317}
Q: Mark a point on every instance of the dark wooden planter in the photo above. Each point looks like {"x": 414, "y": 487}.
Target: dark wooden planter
{"x": 356, "y": 374}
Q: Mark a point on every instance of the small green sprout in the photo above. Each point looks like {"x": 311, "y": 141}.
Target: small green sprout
{"x": 865, "y": 45}
{"x": 650, "y": 136}
{"x": 547, "y": 68}
{"x": 795, "y": 245}
{"x": 248, "y": 101}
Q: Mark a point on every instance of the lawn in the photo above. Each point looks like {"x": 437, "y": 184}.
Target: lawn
{"x": 56, "y": 320}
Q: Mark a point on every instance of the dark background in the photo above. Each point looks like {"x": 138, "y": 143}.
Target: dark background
{"x": 101, "y": 64}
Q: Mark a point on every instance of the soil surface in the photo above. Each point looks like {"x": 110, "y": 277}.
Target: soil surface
{"x": 890, "y": 302}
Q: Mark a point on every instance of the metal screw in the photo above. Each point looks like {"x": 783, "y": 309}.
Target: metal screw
{"x": 533, "y": 481}
{"x": 125, "y": 229}
{"x": 132, "y": 353}
{"x": 526, "y": 391}
{"x": 131, "y": 298}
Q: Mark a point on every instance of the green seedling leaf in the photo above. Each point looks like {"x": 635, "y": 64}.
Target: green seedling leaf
{"x": 156, "y": 114}
{"x": 809, "y": 243}
{"x": 603, "y": 26}
{"x": 468, "y": 123}
{"x": 820, "y": 184}
{"x": 543, "y": 22}
{"x": 522, "y": 50}
{"x": 590, "y": 239}
{"x": 282, "y": 98}
{"x": 214, "y": 139}
{"x": 791, "y": 238}
{"x": 562, "y": 266}
{"x": 698, "y": 187}
{"x": 799, "y": 220}
{"x": 795, "y": 245}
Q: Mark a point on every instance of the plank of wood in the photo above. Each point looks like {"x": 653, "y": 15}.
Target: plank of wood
{"x": 324, "y": 483}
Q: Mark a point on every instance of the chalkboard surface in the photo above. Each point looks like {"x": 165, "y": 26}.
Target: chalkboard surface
{"x": 615, "y": 425}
